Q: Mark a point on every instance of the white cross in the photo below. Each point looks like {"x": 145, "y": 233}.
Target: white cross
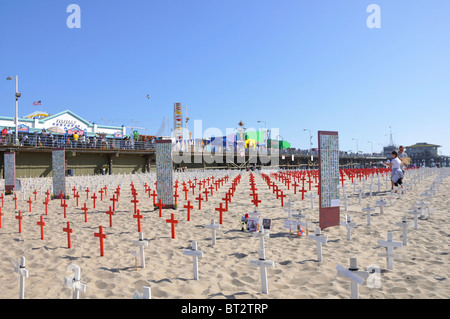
{"x": 74, "y": 281}
{"x": 416, "y": 214}
{"x": 141, "y": 243}
{"x": 381, "y": 204}
{"x": 360, "y": 192}
{"x": 423, "y": 205}
{"x": 356, "y": 276}
{"x": 389, "y": 254}
{"x": 345, "y": 197}
{"x": 370, "y": 187}
{"x": 348, "y": 225}
{"x": 262, "y": 263}
{"x": 213, "y": 226}
{"x": 321, "y": 240}
{"x": 312, "y": 196}
{"x": 196, "y": 254}
{"x": 379, "y": 183}
{"x": 369, "y": 211}
{"x": 404, "y": 226}
{"x": 20, "y": 270}
{"x": 290, "y": 224}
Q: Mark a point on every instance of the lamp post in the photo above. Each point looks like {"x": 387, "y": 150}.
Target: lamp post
{"x": 16, "y": 119}
{"x": 310, "y": 142}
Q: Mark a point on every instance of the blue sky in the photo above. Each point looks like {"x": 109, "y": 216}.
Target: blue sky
{"x": 293, "y": 63}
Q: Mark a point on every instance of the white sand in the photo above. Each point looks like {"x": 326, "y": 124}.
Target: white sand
{"x": 224, "y": 270}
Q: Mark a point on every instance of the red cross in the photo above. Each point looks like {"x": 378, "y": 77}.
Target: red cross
{"x": 288, "y": 182}
{"x": 19, "y": 218}
{"x": 309, "y": 182}
{"x": 220, "y": 209}
{"x": 87, "y": 193}
{"x": 188, "y": 207}
{"x": 110, "y": 212}
{"x": 318, "y": 188}
{"x": 35, "y": 193}
{"x": 176, "y": 197}
{"x": 193, "y": 188}
{"x": 101, "y": 236}
{"x": 185, "y": 190}
{"x": 113, "y": 199}
{"x": 61, "y": 196}
{"x": 74, "y": 189}
{"x": 15, "y": 200}
{"x": 77, "y": 196}
{"x": 42, "y": 224}
{"x": 255, "y": 200}
{"x": 295, "y": 187}
{"x": 199, "y": 198}
{"x": 160, "y": 205}
{"x": 211, "y": 188}
{"x": 274, "y": 187}
{"x": 303, "y": 191}
{"x": 138, "y": 216}
{"x": 154, "y": 197}
{"x": 85, "y": 209}
{"x": 2, "y": 197}
{"x": 106, "y": 190}
{"x": 65, "y": 206}
{"x": 101, "y": 191}
{"x": 282, "y": 196}
{"x": 342, "y": 179}
{"x": 29, "y": 201}
{"x": 173, "y": 221}
{"x": 206, "y": 194}
{"x": 68, "y": 230}
{"x": 135, "y": 201}
{"x": 47, "y": 193}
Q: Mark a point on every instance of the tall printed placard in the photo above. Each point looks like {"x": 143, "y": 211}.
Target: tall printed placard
{"x": 329, "y": 198}
{"x": 59, "y": 172}
{"x": 164, "y": 172}
{"x": 178, "y": 121}
{"x": 10, "y": 171}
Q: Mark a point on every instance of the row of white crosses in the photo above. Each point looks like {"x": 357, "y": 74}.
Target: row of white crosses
{"x": 73, "y": 281}
{"x": 356, "y": 276}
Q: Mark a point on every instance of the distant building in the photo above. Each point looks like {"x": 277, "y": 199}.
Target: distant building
{"x": 423, "y": 150}
{"x": 424, "y": 154}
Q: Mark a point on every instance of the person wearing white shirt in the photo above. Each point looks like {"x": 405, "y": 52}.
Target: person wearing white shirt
{"x": 397, "y": 172}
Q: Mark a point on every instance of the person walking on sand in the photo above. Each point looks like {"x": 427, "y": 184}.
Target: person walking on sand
{"x": 397, "y": 172}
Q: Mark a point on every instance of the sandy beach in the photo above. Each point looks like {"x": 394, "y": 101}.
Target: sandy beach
{"x": 224, "y": 270}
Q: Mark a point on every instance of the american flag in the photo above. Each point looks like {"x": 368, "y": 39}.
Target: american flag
{"x": 37, "y": 103}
